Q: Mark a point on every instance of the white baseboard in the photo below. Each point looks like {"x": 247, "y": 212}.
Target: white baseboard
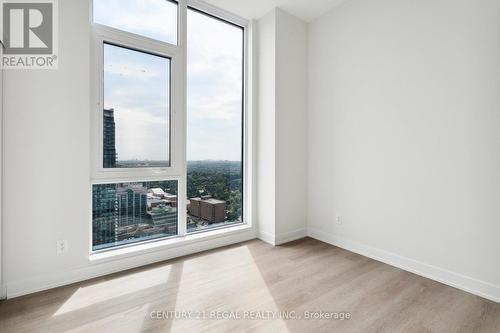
{"x": 281, "y": 239}
{"x": 3, "y": 291}
{"x": 58, "y": 279}
{"x": 457, "y": 280}
{"x": 266, "y": 237}
{"x": 453, "y": 279}
{"x": 290, "y": 236}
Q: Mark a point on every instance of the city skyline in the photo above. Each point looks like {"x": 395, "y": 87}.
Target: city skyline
{"x": 129, "y": 212}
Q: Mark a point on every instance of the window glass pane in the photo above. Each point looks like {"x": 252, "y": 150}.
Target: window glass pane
{"x": 126, "y": 213}
{"x": 215, "y": 122}
{"x": 136, "y": 117}
{"x": 155, "y": 19}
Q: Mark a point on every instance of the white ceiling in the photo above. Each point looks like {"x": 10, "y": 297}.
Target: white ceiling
{"x": 307, "y": 10}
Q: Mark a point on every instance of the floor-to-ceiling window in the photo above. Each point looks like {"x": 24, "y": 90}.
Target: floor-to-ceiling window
{"x": 168, "y": 122}
{"x": 215, "y": 73}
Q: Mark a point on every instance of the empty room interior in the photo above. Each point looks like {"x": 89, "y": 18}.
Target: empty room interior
{"x": 250, "y": 166}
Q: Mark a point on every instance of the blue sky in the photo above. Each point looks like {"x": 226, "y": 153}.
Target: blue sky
{"x": 136, "y": 85}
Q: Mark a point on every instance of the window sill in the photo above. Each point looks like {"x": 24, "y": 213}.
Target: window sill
{"x": 160, "y": 245}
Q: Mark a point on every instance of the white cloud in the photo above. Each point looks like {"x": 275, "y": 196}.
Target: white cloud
{"x": 220, "y": 108}
{"x": 137, "y": 87}
{"x": 129, "y": 15}
{"x": 139, "y": 135}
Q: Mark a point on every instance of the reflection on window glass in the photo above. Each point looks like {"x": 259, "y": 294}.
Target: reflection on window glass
{"x": 214, "y": 129}
{"x": 155, "y": 19}
{"x": 136, "y": 115}
{"x": 128, "y": 213}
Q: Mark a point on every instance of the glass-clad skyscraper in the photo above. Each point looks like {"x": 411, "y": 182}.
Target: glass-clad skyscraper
{"x": 126, "y": 213}
{"x": 109, "y": 144}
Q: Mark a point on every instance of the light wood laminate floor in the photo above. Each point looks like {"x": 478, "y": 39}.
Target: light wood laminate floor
{"x": 250, "y": 279}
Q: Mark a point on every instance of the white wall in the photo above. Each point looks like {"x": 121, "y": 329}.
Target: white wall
{"x": 47, "y": 172}
{"x": 291, "y": 124}
{"x": 404, "y": 135}
{"x": 266, "y": 74}
{"x": 282, "y": 117}
{"x": 46, "y": 181}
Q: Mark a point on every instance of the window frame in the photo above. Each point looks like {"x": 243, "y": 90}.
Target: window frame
{"x": 177, "y": 170}
{"x": 218, "y": 14}
{"x": 103, "y": 34}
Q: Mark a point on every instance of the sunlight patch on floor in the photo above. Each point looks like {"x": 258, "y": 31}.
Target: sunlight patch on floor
{"x": 242, "y": 290}
{"x": 126, "y": 321}
{"x": 104, "y": 291}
